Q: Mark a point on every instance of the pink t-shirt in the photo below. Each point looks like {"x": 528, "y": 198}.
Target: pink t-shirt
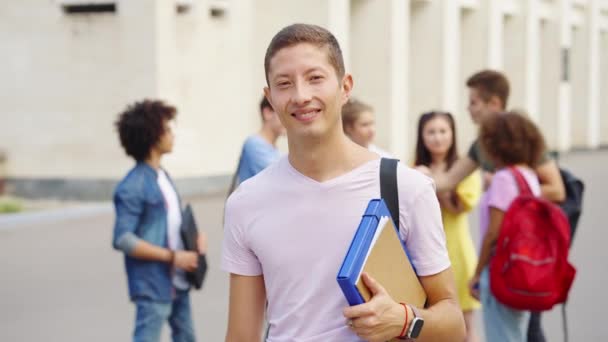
{"x": 296, "y": 231}
{"x": 501, "y": 193}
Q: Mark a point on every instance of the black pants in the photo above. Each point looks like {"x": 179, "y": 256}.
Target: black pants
{"x": 535, "y": 330}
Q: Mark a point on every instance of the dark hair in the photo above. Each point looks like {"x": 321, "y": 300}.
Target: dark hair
{"x": 423, "y": 155}
{"x": 352, "y": 110}
{"x": 264, "y": 103}
{"x": 304, "y": 33}
{"x": 141, "y": 126}
{"x": 490, "y": 83}
{"x": 511, "y": 138}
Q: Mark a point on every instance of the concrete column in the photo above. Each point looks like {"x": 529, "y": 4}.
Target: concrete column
{"x": 434, "y": 59}
{"x": 532, "y": 60}
{"x": 338, "y": 24}
{"x": 564, "y": 108}
{"x": 593, "y": 72}
{"x": 481, "y": 47}
{"x": 425, "y": 59}
{"x": 521, "y": 57}
{"x": 495, "y": 28}
{"x": 379, "y": 67}
{"x": 450, "y": 63}
{"x": 604, "y": 87}
{"x": 515, "y": 56}
{"x": 399, "y": 117}
{"x": 585, "y": 81}
{"x": 473, "y": 58}
{"x": 580, "y": 86}
{"x": 551, "y": 78}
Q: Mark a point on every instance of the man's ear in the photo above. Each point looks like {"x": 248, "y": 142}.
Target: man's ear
{"x": 267, "y": 95}
{"x": 347, "y": 87}
{"x": 496, "y": 104}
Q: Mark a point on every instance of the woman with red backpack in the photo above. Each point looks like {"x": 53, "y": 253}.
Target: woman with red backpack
{"x": 520, "y": 252}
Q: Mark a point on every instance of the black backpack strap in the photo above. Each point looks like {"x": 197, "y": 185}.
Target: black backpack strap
{"x": 388, "y": 187}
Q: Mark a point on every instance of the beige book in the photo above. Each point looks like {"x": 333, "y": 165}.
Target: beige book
{"x": 388, "y": 264}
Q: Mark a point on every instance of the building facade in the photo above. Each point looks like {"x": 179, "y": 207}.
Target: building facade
{"x": 72, "y": 65}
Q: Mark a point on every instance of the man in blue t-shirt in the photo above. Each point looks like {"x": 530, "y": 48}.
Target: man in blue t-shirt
{"x": 259, "y": 150}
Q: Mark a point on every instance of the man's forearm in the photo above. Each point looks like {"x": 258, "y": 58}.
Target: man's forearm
{"x": 442, "y": 182}
{"x": 552, "y": 193}
{"x": 147, "y": 251}
{"x": 443, "y": 322}
{"x": 551, "y": 183}
{"x": 446, "y": 181}
{"x": 232, "y": 336}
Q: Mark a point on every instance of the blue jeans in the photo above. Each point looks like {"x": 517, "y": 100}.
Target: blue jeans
{"x": 501, "y": 323}
{"x": 150, "y": 317}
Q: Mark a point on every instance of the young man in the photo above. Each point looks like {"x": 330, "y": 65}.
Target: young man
{"x": 147, "y": 228}
{"x": 287, "y": 230}
{"x": 488, "y": 95}
{"x": 259, "y": 150}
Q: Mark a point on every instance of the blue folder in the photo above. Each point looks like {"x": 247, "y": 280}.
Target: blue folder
{"x": 358, "y": 251}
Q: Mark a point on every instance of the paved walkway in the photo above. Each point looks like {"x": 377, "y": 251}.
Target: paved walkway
{"x": 61, "y": 281}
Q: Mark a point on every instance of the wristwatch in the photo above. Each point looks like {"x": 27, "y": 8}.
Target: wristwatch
{"x": 415, "y": 326}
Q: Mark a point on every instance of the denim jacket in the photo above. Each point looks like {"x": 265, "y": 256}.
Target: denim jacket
{"x": 141, "y": 214}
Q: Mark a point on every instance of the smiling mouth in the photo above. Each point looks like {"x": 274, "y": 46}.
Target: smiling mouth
{"x": 306, "y": 116}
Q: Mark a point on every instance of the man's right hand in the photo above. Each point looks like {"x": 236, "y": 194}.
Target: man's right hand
{"x": 186, "y": 260}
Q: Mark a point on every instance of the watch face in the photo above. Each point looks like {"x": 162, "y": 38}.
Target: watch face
{"x": 417, "y": 324}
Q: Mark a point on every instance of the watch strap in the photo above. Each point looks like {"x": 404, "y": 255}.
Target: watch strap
{"x": 417, "y": 317}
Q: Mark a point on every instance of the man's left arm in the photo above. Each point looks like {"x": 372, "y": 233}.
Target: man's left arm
{"x": 551, "y": 184}
{"x": 382, "y": 318}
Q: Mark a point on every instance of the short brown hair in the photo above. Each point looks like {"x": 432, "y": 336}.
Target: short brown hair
{"x": 304, "y": 33}
{"x": 264, "y": 104}
{"x": 511, "y": 138}
{"x": 491, "y": 83}
{"x": 352, "y": 110}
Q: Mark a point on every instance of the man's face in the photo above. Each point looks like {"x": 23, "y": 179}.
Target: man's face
{"x": 479, "y": 108}
{"x": 165, "y": 143}
{"x": 305, "y": 92}
{"x": 363, "y": 130}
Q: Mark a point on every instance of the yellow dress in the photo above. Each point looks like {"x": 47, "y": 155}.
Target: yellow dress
{"x": 459, "y": 242}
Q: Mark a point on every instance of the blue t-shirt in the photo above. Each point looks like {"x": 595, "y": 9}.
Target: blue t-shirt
{"x": 256, "y": 155}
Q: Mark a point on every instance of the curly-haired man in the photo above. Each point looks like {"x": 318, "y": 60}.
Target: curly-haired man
{"x": 147, "y": 228}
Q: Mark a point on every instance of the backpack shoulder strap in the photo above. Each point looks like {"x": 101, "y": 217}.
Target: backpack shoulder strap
{"x": 522, "y": 184}
{"x": 388, "y": 187}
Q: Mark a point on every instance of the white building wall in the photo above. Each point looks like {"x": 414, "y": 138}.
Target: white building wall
{"x": 67, "y": 76}
{"x": 214, "y": 72}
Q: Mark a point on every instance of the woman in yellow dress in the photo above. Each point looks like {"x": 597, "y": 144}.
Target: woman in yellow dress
{"x": 436, "y": 149}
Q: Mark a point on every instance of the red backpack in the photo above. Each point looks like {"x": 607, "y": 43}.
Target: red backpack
{"x": 530, "y": 268}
